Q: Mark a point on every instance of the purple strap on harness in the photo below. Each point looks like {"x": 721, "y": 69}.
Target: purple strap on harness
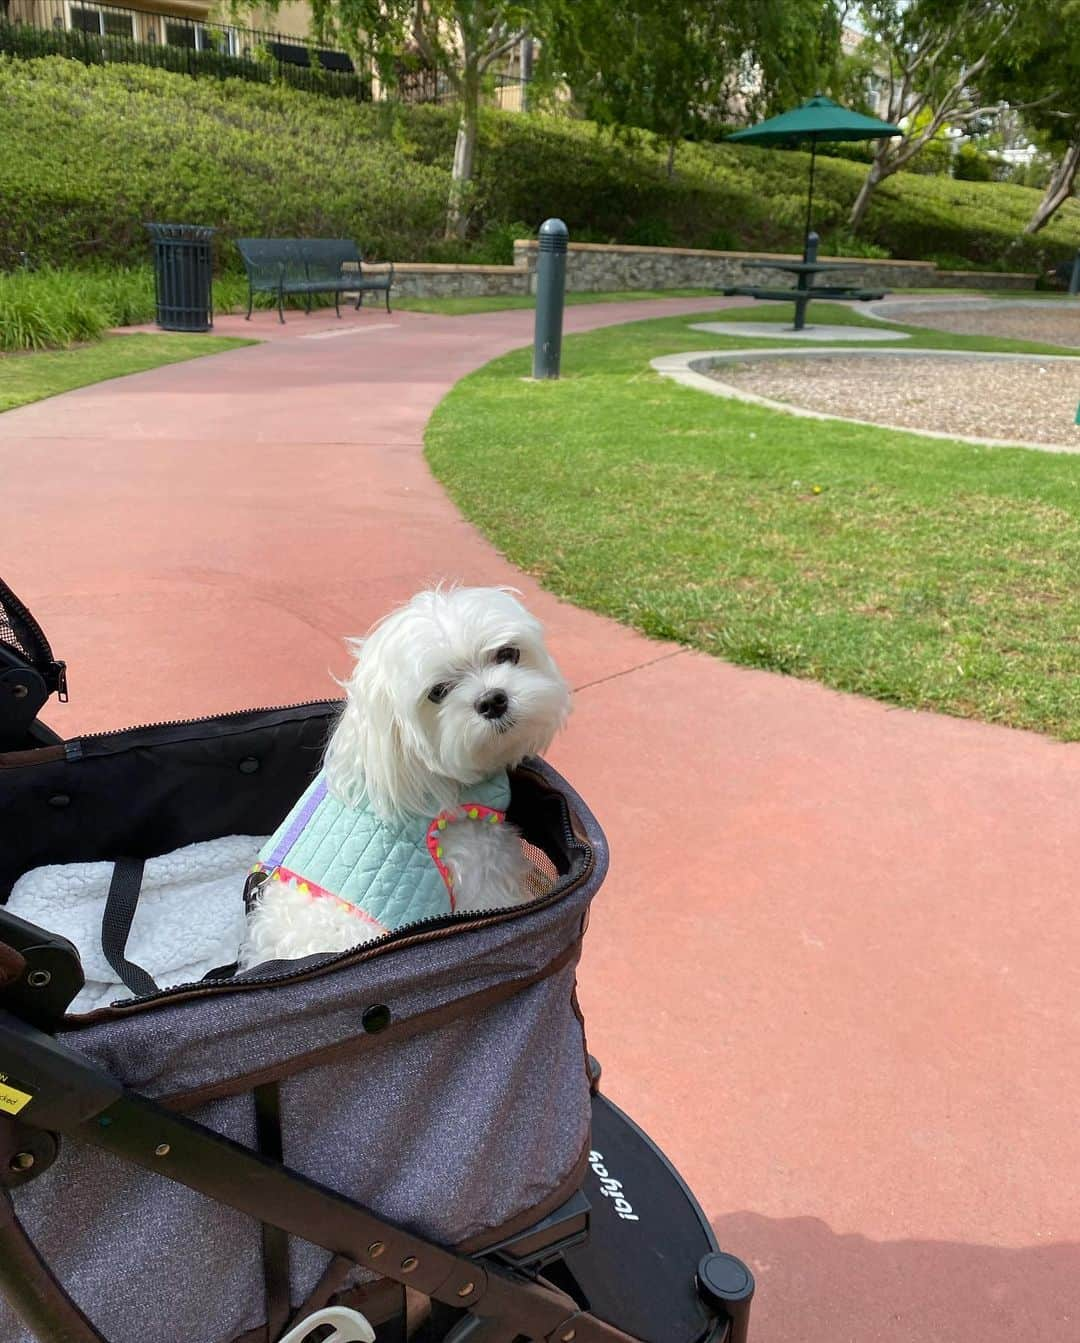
{"x": 300, "y": 820}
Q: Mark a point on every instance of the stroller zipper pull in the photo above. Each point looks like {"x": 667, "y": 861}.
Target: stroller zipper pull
{"x": 349, "y": 1326}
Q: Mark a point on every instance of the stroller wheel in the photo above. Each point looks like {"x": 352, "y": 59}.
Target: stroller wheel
{"x": 650, "y": 1253}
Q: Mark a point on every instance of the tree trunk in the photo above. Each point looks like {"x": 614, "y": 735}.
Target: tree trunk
{"x": 875, "y": 174}
{"x": 672, "y": 146}
{"x": 457, "y": 214}
{"x": 1058, "y": 189}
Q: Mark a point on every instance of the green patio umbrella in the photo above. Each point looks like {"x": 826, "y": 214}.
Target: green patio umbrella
{"x": 816, "y": 120}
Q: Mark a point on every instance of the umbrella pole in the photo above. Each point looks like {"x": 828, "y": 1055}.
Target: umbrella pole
{"x": 809, "y": 201}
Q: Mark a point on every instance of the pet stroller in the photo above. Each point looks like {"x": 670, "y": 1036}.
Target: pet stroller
{"x": 403, "y": 1142}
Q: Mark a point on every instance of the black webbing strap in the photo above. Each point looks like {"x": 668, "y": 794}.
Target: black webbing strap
{"x": 275, "y": 1242}
{"x": 120, "y": 906}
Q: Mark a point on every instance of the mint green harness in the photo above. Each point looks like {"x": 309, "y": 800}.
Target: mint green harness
{"x": 390, "y": 873}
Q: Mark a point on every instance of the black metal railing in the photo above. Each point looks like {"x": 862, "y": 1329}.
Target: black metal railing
{"x": 422, "y": 84}
{"x": 99, "y": 33}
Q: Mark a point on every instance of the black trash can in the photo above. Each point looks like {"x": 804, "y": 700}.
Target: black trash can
{"x": 183, "y": 276}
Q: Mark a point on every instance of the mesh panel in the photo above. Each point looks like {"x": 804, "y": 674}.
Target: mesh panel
{"x": 13, "y": 630}
{"x": 21, "y": 633}
{"x": 543, "y": 873}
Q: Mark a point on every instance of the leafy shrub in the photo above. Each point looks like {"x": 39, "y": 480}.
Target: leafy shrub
{"x": 935, "y": 159}
{"x": 651, "y": 233}
{"x": 970, "y": 165}
{"x": 1034, "y": 174}
{"x": 49, "y": 307}
{"x": 92, "y": 152}
{"x": 19, "y": 39}
{"x": 843, "y": 243}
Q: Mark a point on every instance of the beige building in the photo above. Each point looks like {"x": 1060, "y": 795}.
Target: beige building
{"x": 877, "y": 84}
{"x": 203, "y": 25}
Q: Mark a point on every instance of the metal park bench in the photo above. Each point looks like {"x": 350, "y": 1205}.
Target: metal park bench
{"x": 309, "y": 266}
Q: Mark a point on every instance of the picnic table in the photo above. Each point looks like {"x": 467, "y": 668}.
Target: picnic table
{"x": 804, "y": 288}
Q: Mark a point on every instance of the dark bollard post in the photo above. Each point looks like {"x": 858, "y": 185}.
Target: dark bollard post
{"x": 804, "y": 282}
{"x": 1074, "y": 282}
{"x": 550, "y": 294}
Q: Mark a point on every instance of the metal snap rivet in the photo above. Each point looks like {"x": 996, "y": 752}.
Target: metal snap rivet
{"x": 466, "y": 1289}
{"x": 59, "y": 800}
{"x": 376, "y": 1019}
{"x": 249, "y": 765}
{"x": 162, "y": 1149}
{"x": 23, "y": 1161}
{"x": 37, "y": 979}
{"x": 376, "y": 1248}
{"x": 20, "y": 691}
{"x": 408, "y": 1264}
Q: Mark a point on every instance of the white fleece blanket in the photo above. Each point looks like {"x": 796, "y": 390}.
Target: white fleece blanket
{"x": 189, "y": 920}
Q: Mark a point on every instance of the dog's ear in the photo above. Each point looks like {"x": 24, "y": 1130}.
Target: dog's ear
{"x": 374, "y": 754}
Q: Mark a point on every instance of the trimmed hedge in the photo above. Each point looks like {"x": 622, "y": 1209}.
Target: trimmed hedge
{"x": 92, "y": 152}
{"x": 20, "y": 39}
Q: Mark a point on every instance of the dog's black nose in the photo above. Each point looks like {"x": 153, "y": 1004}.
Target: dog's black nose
{"x": 492, "y": 704}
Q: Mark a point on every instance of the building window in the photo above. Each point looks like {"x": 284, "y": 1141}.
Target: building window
{"x": 196, "y": 37}
{"x": 85, "y": 20}
{"x": 180, "y": 35}
{"x": 118, "y": 25}
{"x": 104, "y": 23}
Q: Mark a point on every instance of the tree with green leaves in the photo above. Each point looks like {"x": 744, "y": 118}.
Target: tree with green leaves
{"x": 932, "y": 55}
{"x": 675, "y": 66}
{"x": 463, "y": 41}
{"x": 1040, "y": 68}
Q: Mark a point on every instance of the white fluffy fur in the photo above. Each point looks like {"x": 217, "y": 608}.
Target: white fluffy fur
{"x": 408, "y": 756}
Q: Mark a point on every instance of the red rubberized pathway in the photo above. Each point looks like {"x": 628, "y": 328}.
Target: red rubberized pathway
{"x": 834, "y": 971}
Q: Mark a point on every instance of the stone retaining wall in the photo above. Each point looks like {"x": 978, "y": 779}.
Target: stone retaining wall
{"x": 591, "y": 267}
{"x": 978, "y": 279}
{"x": 417, "y": 280}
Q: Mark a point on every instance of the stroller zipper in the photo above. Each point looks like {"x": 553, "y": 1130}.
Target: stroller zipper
{"x": 202, "y": 718}
{"x": 421, "y": 930}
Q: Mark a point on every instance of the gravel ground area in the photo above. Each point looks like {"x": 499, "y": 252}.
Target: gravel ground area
{"x": 1049, "y": 323}
{"x": 990, "y": 398}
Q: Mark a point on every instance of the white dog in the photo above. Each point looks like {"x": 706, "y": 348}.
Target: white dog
{"x": 407, "y": 819}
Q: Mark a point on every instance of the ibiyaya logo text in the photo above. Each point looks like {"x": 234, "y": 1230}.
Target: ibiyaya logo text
{"x": 612, "y": 1188}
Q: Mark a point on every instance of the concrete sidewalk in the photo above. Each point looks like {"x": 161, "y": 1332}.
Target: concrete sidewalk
{"x": 834, "y": 970}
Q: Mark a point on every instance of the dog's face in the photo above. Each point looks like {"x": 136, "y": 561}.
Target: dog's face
{"x": 448, "y": 689}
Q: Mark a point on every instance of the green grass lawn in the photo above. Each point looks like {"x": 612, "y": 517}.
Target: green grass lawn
{"x": 30, "y": 377}
{"x": 924, "y": 572}
{"x": 462, "y": 307}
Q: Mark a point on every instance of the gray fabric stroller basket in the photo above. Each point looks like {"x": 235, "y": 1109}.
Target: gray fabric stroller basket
{"x": 438, "y": 1076}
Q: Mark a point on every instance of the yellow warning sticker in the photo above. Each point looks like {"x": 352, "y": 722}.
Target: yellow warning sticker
{"x": 12, "y": 1099}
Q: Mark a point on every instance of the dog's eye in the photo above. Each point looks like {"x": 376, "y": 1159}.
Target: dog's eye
{"x": 508, "y": 654}
{"x": 439, "y": 692}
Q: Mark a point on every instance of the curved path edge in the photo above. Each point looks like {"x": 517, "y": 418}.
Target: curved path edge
{"x": 687, "y": 369}
{"x": 832, "y": 971}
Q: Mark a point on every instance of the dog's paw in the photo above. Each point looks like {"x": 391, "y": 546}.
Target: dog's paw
{"x": 488, "y": 867}
{"x": 287, "y": 924}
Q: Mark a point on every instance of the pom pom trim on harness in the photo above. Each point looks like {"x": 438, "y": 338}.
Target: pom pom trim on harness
{"x": 467, "y": 811}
